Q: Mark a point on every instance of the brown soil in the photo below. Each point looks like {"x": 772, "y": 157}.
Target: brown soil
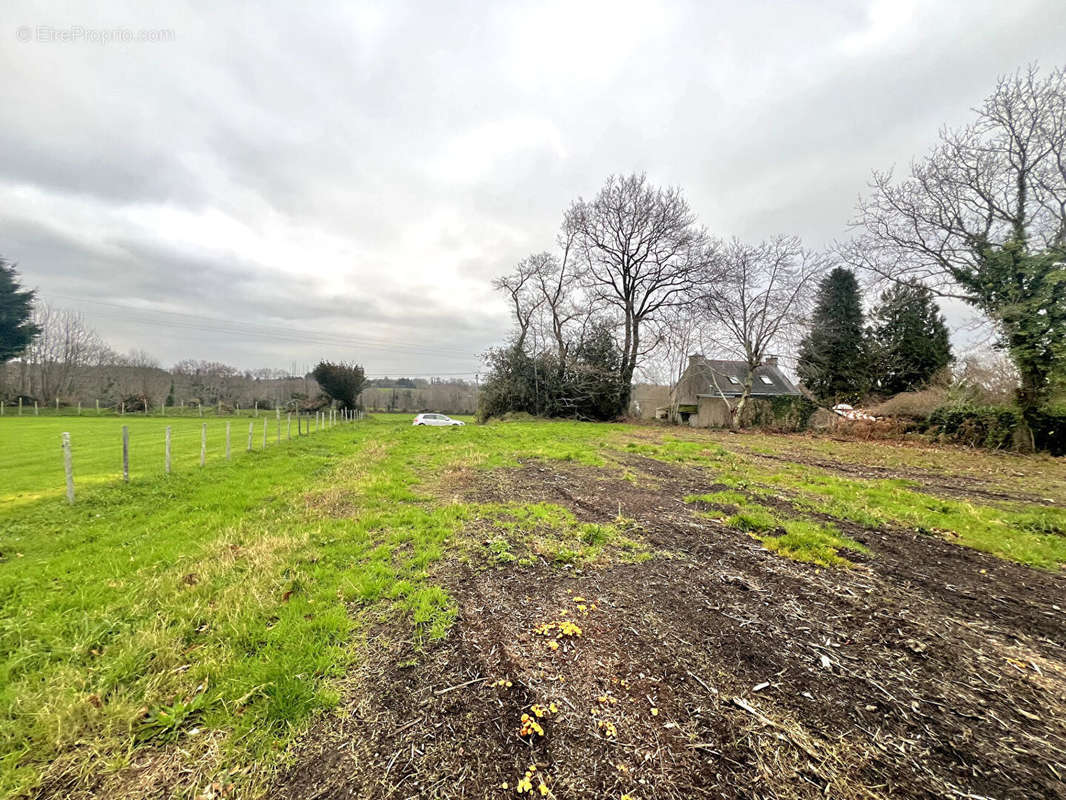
{"x": 929, "y": 670}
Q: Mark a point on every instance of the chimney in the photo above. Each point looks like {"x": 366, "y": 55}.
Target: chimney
{"x": 770, "y": 361}
{"x": 693, "y": 358}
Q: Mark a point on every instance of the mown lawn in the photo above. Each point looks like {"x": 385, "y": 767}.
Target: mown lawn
{"x": 220, "y": 608}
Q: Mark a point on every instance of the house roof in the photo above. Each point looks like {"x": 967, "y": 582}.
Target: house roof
{"x": 704, "y": 374}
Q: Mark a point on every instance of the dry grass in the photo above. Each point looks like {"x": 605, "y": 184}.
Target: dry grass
{"x": 915, "y": 405}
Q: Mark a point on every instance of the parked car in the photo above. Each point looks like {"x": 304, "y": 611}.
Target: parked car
{"x": 436, "y": 419}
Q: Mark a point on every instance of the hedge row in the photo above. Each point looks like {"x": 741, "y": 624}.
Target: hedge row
{"x": 1001, "y": 428}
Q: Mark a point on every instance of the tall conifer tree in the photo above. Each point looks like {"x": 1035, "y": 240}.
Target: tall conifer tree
{"x": 910, "y": 339}
{"x": 834, "y": 361}
{"x": 16, "y": 310}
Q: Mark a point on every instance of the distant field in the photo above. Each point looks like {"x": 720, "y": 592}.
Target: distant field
{"x": 31, "y": 461}
{"x": 384, "y": 611}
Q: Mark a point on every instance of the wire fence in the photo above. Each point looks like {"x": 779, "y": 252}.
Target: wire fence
{"x": 51, "y": 456}
{"x": 97, "y": 408}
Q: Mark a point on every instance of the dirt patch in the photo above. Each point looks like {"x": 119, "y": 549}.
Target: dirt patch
{"x": 723, "y": 670}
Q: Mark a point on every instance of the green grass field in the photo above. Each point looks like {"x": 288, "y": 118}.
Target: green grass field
{"x": 31, "y": 460}
{"x": 221, "y": 607}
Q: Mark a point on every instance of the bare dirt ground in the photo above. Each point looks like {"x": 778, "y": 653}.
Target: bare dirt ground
{"x": 715, "y": 669}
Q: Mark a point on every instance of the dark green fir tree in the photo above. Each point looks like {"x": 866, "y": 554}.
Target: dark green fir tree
{"x": 910, "y": 340}
{"x": 834, "y": 361}
{"x": 16, "y": 309}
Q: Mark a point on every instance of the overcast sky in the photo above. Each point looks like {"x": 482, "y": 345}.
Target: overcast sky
{"x": 269, "y": 183}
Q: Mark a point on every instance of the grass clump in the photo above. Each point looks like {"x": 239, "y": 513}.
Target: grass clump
{"x": 727, "y": 497}
{"x": 752, "y": 519}
{"x": 551, "y": 532}
{"x": 813, "y": 542}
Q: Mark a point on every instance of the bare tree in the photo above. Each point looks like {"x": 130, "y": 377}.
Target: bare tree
{"x": 642, "y": 253}
{"x": 759, "y": 302}
{"x": 983, "y": 219}
{"x": 64, "y": 346}
{"x": 679, "y": 332}
{"x": 565, "y": 303}
{"x": 522, "y": 287}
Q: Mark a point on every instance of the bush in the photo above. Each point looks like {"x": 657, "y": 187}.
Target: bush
{"x": 991, "y": 427}
{"x": 779, "y": 413}
{"x": 585, "y": 387}
{"x": 1048, "y": 426}
{"x": 1002, "y": 427}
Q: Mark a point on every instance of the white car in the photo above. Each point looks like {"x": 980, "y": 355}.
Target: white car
{"x": 436, "y": 419}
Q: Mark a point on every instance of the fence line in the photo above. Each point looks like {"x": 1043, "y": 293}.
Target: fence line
{"x": 20, "y": 406}
{"x": 68, "y": 459}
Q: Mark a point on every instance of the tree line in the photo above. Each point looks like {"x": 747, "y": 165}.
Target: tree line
{"x": 635, "y": 282}
{"x": 50, "y": 355}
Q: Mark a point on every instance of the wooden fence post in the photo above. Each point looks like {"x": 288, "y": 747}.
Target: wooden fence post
{"x": 126, "y": 453}
{"x": 203, "y": 444}
{"x": 68, "y": 467}
{"x": 36, "y": 411}
{"x": 201, "y": 407}
{"x": 251, "y": 431}
{"x": 289, "y": 426}
{"x": 166, "y": 457}
{"x": 97, "y": 406}
{"x": 227, "y": 441}
{"x": 255, "y": 413}
{"x": 279, "y": 429}
{"x": 264, "y": 434}
{"x": 20, "y": 406}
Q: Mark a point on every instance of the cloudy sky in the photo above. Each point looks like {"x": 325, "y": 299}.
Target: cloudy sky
{"x": 268, "y": 186}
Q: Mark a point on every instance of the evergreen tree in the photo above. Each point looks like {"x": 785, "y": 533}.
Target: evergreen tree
{"x": 16, "y": 308}
{"x": 834, "y": 361}
{"x": 910, "y": 339}
{"x": 341, "y": 382}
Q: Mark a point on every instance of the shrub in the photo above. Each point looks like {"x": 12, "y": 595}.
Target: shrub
{"x": 991, "y": 427}
{"x": 1002, "y": 427}
{"x": 1048, "y": 426}
{"x": 788, "y": 413}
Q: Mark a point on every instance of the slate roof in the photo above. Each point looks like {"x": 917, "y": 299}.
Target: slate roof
{"x": 769, "y": 380}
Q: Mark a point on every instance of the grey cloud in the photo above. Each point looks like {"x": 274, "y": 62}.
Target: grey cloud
{"x": 401, "y": 154}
